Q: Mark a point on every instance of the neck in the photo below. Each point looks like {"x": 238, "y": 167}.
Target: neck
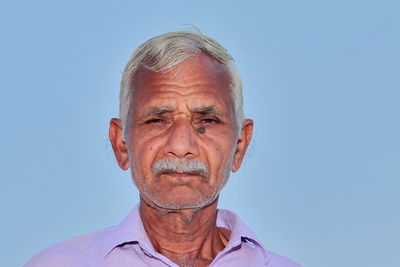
{"x": 188, "y": 237}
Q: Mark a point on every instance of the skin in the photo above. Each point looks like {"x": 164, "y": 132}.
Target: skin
{"x": 179, "y": 210}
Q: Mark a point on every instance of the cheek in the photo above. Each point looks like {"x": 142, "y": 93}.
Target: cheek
{"x": 219, "y": 150}
{"x": 219, "y": 138}
{"x": 145, "y": 150}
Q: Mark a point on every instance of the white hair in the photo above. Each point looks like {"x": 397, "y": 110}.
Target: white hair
{"x": 165, "y": 52}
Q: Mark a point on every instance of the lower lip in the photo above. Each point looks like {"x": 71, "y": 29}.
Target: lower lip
{"x": 180, "y": 175}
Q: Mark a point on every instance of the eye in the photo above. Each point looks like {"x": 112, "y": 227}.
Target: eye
{"x": 209, "y": 120}
{"x": 154, "y": 121}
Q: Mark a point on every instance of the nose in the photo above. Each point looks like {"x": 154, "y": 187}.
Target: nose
{"x": 181, "y": 140}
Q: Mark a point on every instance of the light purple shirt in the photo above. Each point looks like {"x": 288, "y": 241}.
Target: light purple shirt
{"x": 127, "y": 244}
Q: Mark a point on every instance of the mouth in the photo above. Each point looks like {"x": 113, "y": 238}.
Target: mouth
{"x": 180, "y": 174}
{"x": 180, "y": 170}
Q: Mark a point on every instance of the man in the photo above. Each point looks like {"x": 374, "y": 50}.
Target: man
{"x": 181, "y": 131}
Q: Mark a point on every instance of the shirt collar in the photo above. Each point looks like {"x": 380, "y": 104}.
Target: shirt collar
{"x": 131, "y": 229}
{"x": 239, "y": 232}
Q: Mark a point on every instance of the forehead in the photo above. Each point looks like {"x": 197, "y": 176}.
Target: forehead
{"x": 198, "y": 81}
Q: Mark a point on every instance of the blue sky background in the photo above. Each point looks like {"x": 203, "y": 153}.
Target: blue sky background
{"x": 321, "y": 181}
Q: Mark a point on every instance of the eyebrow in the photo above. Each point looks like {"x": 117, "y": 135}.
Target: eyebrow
{"x": 157, "y": 111}
{"x": 206, "y": 110}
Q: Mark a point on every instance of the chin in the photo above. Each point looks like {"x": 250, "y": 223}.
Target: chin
{"x": 180, "y": 203}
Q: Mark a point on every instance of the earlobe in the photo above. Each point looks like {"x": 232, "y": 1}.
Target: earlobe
{"x": 118, "y": 144}
{"x": 242, "y": 144}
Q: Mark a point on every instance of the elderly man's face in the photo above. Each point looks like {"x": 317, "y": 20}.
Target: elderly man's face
{"x": 182, "y": 116}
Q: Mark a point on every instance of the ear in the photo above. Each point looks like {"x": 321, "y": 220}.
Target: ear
{"x": 118, "y": 144}
{"x": 242, "y": 144}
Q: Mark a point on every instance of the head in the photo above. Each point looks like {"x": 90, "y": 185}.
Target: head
{"x": 165, "y": 52}
{"x": 181, "y": 128}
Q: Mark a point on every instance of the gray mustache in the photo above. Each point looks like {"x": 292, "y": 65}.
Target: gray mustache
{"x": 186, "y": 166}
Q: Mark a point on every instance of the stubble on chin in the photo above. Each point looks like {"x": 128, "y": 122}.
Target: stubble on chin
{"x": 153, "y": 199}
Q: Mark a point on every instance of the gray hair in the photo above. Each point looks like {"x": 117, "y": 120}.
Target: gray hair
{"x": 165, "y": 52}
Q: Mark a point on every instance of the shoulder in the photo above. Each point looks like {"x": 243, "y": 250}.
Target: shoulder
{"x": 77, "y": 252}
{"x": 253, "y": 247}
{"x": 276, "y": 260}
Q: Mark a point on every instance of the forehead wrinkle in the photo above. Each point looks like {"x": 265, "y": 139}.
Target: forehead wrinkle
{"x": 187, "y": 88}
